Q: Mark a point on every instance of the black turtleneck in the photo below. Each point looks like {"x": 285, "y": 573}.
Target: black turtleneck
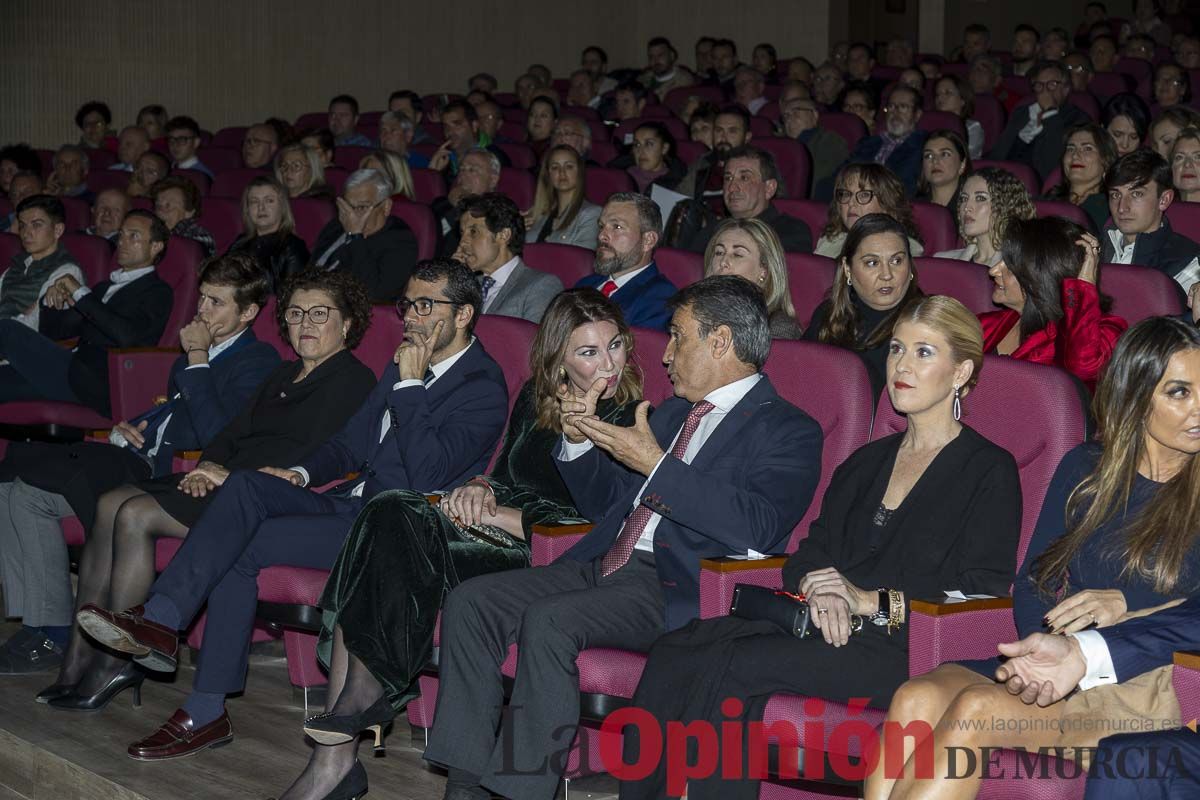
{"x": 869, "y": 319}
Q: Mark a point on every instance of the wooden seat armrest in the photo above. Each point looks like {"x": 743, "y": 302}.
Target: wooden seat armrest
{"x": 1189, "y": 659}
{"x": 574, "y": 529}
{"x": 727, "y": 564}
{"x": 188, "y": 455}
{"x": 942, "y": 606}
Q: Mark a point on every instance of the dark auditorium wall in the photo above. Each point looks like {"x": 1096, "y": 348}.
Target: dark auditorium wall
{"x": 229, "y": 62}
{"x": 1001, "y": 16}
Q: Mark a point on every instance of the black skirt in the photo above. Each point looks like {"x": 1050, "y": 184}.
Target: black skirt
{"x": 185, "y": 509}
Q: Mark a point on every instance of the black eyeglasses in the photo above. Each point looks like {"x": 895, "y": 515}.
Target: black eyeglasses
{"x": 862, "y": 196}
{"x": 294, "y": 315}
{"x": 1050, "y": 86}
{"x": 422, "y": 305}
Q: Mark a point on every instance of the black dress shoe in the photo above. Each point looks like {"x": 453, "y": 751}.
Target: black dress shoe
{"x": 28, "y": 652}
{"x": 328, "y": 729}
{"x": 55, "y": 690}
{"x": 130, "y": 677}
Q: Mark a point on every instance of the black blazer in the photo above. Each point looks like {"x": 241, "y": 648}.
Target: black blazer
{"x": 383, "y": 261}
{"x": 957, "y": 529}
{"x": 134, "y": 317}
{"x": 208, "y": 398}
{"x": 281, "y": 256}
{"x": 440, "y": 435}
{"x": 746, "y": 489}
{"x": 1045, "y": 151}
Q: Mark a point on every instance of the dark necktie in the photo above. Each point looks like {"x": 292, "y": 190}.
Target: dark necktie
{"x": 486, "y": 282}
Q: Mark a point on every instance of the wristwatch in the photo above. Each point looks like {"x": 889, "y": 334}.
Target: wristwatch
{"x": 882, "y": 615}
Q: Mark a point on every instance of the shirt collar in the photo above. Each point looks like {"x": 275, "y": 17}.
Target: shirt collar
{"x": 442, "y": 367}
{"x": 191, "y": 162}
{"x": 729, "y": 395}
{"x": 217, "y": 349}
{"x": 503, "y": 273}
{"x": 627, "y": 277}
{"x": 120, "y": 276}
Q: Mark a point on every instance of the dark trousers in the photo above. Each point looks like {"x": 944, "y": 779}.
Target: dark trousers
{"x": 1147, "y": 766}
{"x": 37, "y": 367}
{"x": 552, "y": 613}
{"x": 255, "y": 521}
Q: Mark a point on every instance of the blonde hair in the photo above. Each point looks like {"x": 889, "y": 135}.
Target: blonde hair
{"x": 545, "y": 201}
{"x": 395, "y": 168}
{"x": 315, "y": 170}
{"x": 287, "y": 222}
{"x": 770, "y": 256}
{"x": 953, "y": 320}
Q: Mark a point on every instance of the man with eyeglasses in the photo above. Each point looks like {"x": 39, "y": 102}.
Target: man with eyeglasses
{"x": 1079, "y": 67}
{"x": 828, "y": 150}
{"x": 183, "y": 139}
{"x": 1172, "y": 87}
{"x": 396, "y": 132}
{"x": 478, "y": 173}
{"x": 1035, "y": 134}
{"x": 259, "y": 146}
{"x": 365, "y": 240}
{"x": 900, "y": 146}
{"x": 131, "y": 143}
{"x": 748, "y": 87}
{"x": 431, "y": 423}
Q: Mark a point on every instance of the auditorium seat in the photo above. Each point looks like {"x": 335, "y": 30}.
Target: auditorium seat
{"x": 965, "y": 281}
{"x": 1135, "y": 68}
{"x": 233, "y": 182}
{"x": 230, "y": 137}
{"x": 1086, "y": 103}
{"x": 565, "y": 261}
{"x": 198, "y": 179}
{"x": 689, "y": 151}
{"x": 1022, "y": 172}
{"x": 420, "y": 219}
{"x": 680, "y": 267}
{"x": 222, "y": 217}
{"x": 847, "y": 126}
{"x": 1061, "y": 208}
{"x": 1139, "y": 292}
{"x": 517, "y": 116}
{"x": 1017, "y": 84}
{"x": 428, "y": 184}
{"x": 810, "y": 278}
{"x": 812, "y": 213}
{"x": 520, "y": 155}
{"x": 313, "y": 119}
{"x": 266, "y": 328}
{"x": 793, "y": 161}
{"x": 99, "y": 180}
{"x": 101, "y": 159}
{"x": 936, "y": 225}
{"x": 219, "y": 159}
{"x": 180, "y": 268}
{"x": 770, "y": 111}
{"x": 761, "y": 127}
{"x": 1052, "y": 180}
{"x": 348, "y": 157}
{"x": 1106, "y": 84}
{"x": 79, "y": 213}
{"x": 934, "y": 120}
{"x": 649, "y": 345}
{"x": 311, "y": 215}
{"x": 991, "y": 116}
{"x": 1185, "y": 218}
{"x": 604, "y": 181}
{"x": 336, "y": 177}
{"x": 91, "y": 253}
{"x": 10, "y": 245}
{"x": 676, "y": 99}
{"x": 517, "y": 185}
{"x": 583, "y": 112}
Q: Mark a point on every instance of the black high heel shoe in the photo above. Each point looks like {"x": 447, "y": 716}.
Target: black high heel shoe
{"x": 55, "y": 690}
{"x": 130, "y": 677}
{"x": 328, "y": 729}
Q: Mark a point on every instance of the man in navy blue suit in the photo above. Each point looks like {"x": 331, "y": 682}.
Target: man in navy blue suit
{"x": 630, "y": 227}
{"x": 901, "y": 145}
{"x": 724, "y": 467}
{"x": 431, "y": 423}
{"x": 40, "y": 483}
{"x": 1044, "y": 668}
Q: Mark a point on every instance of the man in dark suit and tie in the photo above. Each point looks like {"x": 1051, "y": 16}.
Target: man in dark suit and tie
{"x": 40, "y": 483}
{"x": 630, "y": 228}
{"x": 726, "y": 466}
{"x": 1036, "y": 132}
{"x": 128, "y": 310}
{"x": 1044, "y": 668}
{"x": 431, "y": 423}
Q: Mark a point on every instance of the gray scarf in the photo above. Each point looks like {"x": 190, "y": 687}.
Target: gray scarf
{"x": 22, "y": 285}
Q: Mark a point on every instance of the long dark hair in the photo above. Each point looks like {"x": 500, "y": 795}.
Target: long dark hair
{"x": 1105, "y": 147}
{"x": 1040, "y": 253}
{"x": 964, "y": 155}
{"x": 1153, "y": 545}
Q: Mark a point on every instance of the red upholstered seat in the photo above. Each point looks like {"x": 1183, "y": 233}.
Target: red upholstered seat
{"x": 517, "y": 185}
{"x": 605, "y": 181}
{"x": 1061, "y": 208}
{"x": 680, "y": 267}
{"x": 180, "y": 269}
{"x": 10, "y": 245}
{"x": 935, "y": 120}
{"x": 565, "y": 261}
{"x": 79, "y": 213}
{"x": 313, "y": 119}
{"x": 91, "y": 253}
{"x": 219, "y": 159}
{"x": 229, "y": 137}
{"x": 1106, "y": 84}
{"x": 100, "y": 179}
{"x": 420, "y": 219}
{"x": 649, "y": 346}
{"x": 199, "y": 179}
{"x": 222, "y": 217}
{"x": 428, "y": 184}
{"x": 1138, "y": 292}
{"x": 520, "y": 155}
{"x": 348, "y": 157}
{"x": 233, "y": 182}
{"x": 990, "y": 114}
{"x": 936, "y": 225}
{"x": 311, "y": 215}
{"x": 965, "y": 281}
{"x": 1185, "y": 218}
{"x": 812, "y": 213}
{"x": 809, "y": 280}
{"x": 793, "y": 161}
{"x": 847, "y": 126}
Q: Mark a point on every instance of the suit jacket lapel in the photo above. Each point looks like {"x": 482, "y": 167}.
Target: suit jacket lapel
{"x": 510, "y": 288}
{"x": 762, "y": 395}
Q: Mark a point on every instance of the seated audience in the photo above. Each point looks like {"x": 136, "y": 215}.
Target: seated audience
{"x": 652, "y": 159}
{"x": 739, "y": 476}
{"x": 944, "y": 161}
{"x": 460, "y": 123}
{"x": 750, "y": 248}
{"x": 909, "y": 515}
{"x": 662, "y": 73}
{"x": 131, "y": 143}
{"x": 861, "y": 100}
{"x": 320, "y": 140}
{"x": 748, "y": 87}
{"x": 480, "y": 527}
{"x": 94, "y": 120}
{"x": 177, "y": 203}
{"x": 953, "y": 94}
{"x": 409, "y": 104}
{"x": 543, "y": 113}
{"x": 478, "y": 173}
{"x": 1054, "y": 45}
{"x": 1087, "y": 155}
{"x": 706, "y": 175}
{"x": 703, "y": 51}
{"x": 393, "y": 167}
{"x": 1035, "y": 134}
{"x": 1025, "y": 47}
{"x": 1140, "y": 47}
{"x": 41, "y": 261}
{"x": 1114, "y": 541}
{"x": 989, "y": 200}
{"x": 1103, "y": 53}
{"x": 1079, "y": 68}
{"x": 396, "y": 133}
{"x": 151, "y": 167}
{"x": 16, "y": 158}
{"x": 913, "y": 78}
{"x": 108, "y": 211}
{"x": 1127, "y": 120}
{"x": 153, "y": 120}
{"x": 22, "y": 185}
{"x": 483, "y": 82}
{"x": 343, "y": 122}
{"x": 1147, "y": 24}
{"x": 977, "y": 39}
{"x": 1048, "y": 282}
{"x": 801, "y": 121}
{"x": 901, "y": 145}
{"x": 269, "y": 232}
{"x": 800, "y": 69}
{"x": 573, "y": 132}
{"x": 827, "y": 86}
{"x": 701, "y": 122}
{"x": 1185, "y": 165}
{"x": 875, "y": 278}
{"x": 365, "y": 240}
{"x": 183, "y": 139}
{"x": 40, "y": 483}
{"x": 582, "y": 91}
{"x": 595, "y": 61}
{"x": 561, "y": 212}
{"x": 1187, "y": 52}
{"x": 863, "y": 189}
{"x": 629, "y": 101}
{"x": 860, "y": 60}
{"x": 765, "y": 59}
{"x": 1168, "y": 124}
{"x": 259, "y": 146}
{"x": 630, "y": 228}
{"x": 986, "y": 76}
{"x": 446, "y": 402}
{"x": 524, "y": 87}
{"x": 724, "y": 64}
{"x": 1171, "y": 85}
{"x": 128, "y": 310}
{"x": 298, "y": 406}
{"x": 298, "y": 168}
{"x": 492, "y": 235}
{"x": 69, "y": 176}
{"x": 491, "y": 117}
{"x": 1139, "y": 192}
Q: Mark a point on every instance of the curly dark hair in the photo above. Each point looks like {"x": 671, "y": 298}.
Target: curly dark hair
{"x": 90, "y": 106}
{"x": 347, "y": 292}
{"x": 1010, "y": 201}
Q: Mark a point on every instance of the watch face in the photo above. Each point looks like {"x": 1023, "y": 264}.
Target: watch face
{"x": 880, "y": 621}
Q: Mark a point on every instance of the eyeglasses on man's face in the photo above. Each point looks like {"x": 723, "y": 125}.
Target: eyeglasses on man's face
{"x": 1046, "y": 86}
{"x": 422, "y": 305}
{"x": 318, "y": 315}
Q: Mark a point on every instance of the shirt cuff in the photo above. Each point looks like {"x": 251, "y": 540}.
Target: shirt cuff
{"x": 115, "y": 437}
{"x": 196, "y": 366}
{"x": 1100, "y": 669}
{"x": 572, "y": 451}
{"x": 406, "y": 383}
{"x": 303, "y": 474}
{"x": 80, "y": 292}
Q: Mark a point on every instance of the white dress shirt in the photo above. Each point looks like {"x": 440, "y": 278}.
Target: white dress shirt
{"x": 501, "y": 277}
{"x": 1033, "y": 127}
{"x": 1123, "y": 254}
{"x": 120, "y": 279}
{"x": 724, "y": 399}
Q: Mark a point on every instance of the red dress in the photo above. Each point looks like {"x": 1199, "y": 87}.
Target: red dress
{"x": 1081, "y": 342}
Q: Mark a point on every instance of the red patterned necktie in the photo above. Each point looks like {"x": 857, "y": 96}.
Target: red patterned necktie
{"x": 635, "y": 524}
{"x": 608, "y": 287}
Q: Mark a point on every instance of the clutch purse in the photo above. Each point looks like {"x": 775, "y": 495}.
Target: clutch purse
{"x": 787, "y": 610}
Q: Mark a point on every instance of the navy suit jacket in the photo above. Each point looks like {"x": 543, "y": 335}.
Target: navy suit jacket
{"x": 208, "y": 398}
{"x": 643, "y": 300}
{"x": 1145, "y": 643}
{"x": 747, "y": 488}
{"x": 440, "y": 435}
{"x": 905, "y": 160}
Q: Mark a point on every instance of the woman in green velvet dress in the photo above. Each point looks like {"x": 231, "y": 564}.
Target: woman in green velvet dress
{"x": 405, "y": 554}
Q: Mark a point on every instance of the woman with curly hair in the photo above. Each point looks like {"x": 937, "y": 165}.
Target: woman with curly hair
{"x": 1088, "y": 152}
{"x": 863, "y": 189}
{"x": 323, "y": 315}
{"x": 990, "y": 198}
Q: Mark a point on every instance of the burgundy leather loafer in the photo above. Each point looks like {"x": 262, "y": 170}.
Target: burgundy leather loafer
{"x": 179, "y": 737}
{"x": 151, "y": 645}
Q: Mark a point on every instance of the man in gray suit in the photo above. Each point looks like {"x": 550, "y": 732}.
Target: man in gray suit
{"x": 492, "y": 235}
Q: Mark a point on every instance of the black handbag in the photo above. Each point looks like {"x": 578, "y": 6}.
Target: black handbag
{"x": 787, "y": 610}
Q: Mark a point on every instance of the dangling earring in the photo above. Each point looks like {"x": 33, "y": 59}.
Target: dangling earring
{"x": 957, "y": 404}
{"x": 848, "y": 281}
